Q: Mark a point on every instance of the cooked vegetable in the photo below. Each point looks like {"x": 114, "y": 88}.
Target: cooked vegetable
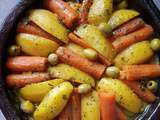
{"x": 123, "y": 4}
{"x": 108, "y": 106}
{"x": 72, "y": 74}
{"x": 90, "y": 54}
{"x": 112, "y": 72}
{"x": 73, "y": 59}
{"x": 100, "y": 11}
{"x": 53, "y": 59}
{"x": 36, "y": 92}
{"x": 143, "y": 93}
{"x": 152, "y": 86}
{"x": 27, "y": 63}
{"x": 14, "y": 50}
{"x": 49, "y": 22}
{"x": 20, "y": 80}
{"x": 121, "y": 115}
{"x": 75, "y": 5}
{"x": 54, "y": 102}
{"x": 106, "y": 28}
{"x": 95, "y": 38}
{"x": 121, "y": 16}
{"x": 136, "y": 54}
{"x": 155, "y": 44}
{"x": 27, "y": 107}
{"x": 84, "y": 88}
{"x": 90, "y": 106}
{"x": 137, "y": 72}
{"x": 35, "y": 45}
{"x": 137, "y": 36}
{"x": 124, "y": 95}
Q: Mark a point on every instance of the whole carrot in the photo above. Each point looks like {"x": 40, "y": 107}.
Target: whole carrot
{"x": 27, "y": 63}
{"x": 137, "y": 72}
{"x": 63, "y": 10}
{"x": 20, "y": 80}
{"x": 125, "y": 41}
{"x": 144, "y": 94}
{"x": 73, "y": 59}
{"x": 121, "y": 115}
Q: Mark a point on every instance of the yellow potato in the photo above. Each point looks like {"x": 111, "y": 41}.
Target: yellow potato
{"x": 54, "y": 102}
{"x": 90, "y": 106}
{"x": 100, "y": 11}
{"x": 67, "y": 72}
{"x": 136, "y": 54}
{"x": 97, "y": 40}
{"x": 35, "y": 45}
{"x": 124, "y": 95}
{"x": 36, "y": 92}
{"x": 50, "y": 23}
{"x": 121, "y": 16}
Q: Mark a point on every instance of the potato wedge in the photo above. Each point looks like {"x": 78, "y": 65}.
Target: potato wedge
{"x": 54, "y": 102}
{"x": 136, "y": 54}
{"x": 100, "y": 11}
{"x": 36, "y": 45}
{"x": 36, "y": 92}
{"x": 50, "y": 23}
{"x": 124, "y": 95}
{"x": 97, "y": 40}
{"x": 90, "y": 106}
{"x": 121, "y": 16}
{"x": 67, "y": 72}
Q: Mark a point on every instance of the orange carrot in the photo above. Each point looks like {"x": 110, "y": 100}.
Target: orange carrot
{"x": 108, "y": 108}
{"x": 63, "y": 10}
{"x": 144, "y": 94}
{"x": 20, "y": 80}
{"x": 121, "y": 115}
{"x": 74, "y": 38}
{"x": 137, "y": 72}
{"x": 73, "y": 59}
{"x": 125, "y": 41}
{"x": 128, "y": 27}
{"x": 27, "y": 63}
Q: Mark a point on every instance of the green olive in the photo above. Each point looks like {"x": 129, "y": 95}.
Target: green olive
{"x": 27, "y": 107}
{"x": 90, "y": 54}
{"x": 14, "y": 50}
{"x": 53, "y": 59}
{"x": 155, "y": 44}
{"x": 106, "y": 28}
{"x": 112, "y": 72}
{"x": 123, "y": 4}
{"x": 84, "y": 88}
{"x": 152, "y": 85}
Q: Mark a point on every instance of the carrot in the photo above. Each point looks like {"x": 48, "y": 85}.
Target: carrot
{"x": 86, "y": 4}
{"x": 128, "y": 27}
{"x": 27, "y": 63}
{"x": 63, "y": 10}
{"x": 20, "y": 80}
{"x": 74, "y": 38}
{"x": 108, "y": 108}
{"x": 73, "y": 59}
{"x": 137, "y": 72}
{"x": 144, "y": 94}
{"x": 125, "y": 41}
{"x": 121, "y": 115}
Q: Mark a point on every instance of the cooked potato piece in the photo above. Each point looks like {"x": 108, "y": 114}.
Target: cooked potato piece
{"x": 36, "y": 92}
{"x": 90, "y": 106}
{"x": 136, "y": 54}
{"x": 124, "y": 95}
{"x": 121, "y": 16}
{"x": 35, "y": 45}
{"x": 100, "y": 11}
{"x": 67, "y": 72}
{"x": 54, "y": 102}
{"x": 97, "y": 40}
{"x": 50, "y": 23}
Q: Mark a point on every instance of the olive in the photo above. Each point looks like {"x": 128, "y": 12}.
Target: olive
{"x": 27, "y": 107}
{"x": 14, "y": 50}
{"x": 155, "y": 44}
{"x": 152, "y": 85}
{"x": 123, "y": 4}
{"x": 53, "y": 59}
{"x": 112, "y": 72}
{"x": 84, "y": 88}
{"x": 106, "y": 28}
{"x": 90, "y": 54}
